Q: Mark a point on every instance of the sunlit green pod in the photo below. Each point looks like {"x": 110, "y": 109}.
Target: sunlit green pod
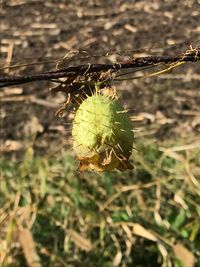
{"x": 102, "y": 134}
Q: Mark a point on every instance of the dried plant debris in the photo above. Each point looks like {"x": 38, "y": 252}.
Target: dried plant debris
{"x": 102, "y": 134}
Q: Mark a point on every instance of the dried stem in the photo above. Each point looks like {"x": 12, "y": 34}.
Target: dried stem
{"x": 191, "y": 55}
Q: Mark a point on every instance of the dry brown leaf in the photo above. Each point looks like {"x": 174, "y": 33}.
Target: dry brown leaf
{"x": 179, "y": 199}
{"x": 80, "y": 241}
{"x": 141, "y": 231}
{"x": 183, "y": 254}
{"x": 10, "y": 145}
{"x": 117, "y": 259}
{"x": 28, "y": 246}
{"x": 131, "y": 28}
{"x": 160, "y": 118}
{"x": 11, "y": 91}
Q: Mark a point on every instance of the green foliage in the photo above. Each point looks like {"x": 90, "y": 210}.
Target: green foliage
{"x": 88, "y": 219}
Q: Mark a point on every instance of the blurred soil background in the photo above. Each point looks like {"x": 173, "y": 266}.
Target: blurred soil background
{"x": 50, "y": 214}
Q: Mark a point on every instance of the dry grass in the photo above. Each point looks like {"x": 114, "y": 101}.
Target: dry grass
{"x": 53, "y": 216}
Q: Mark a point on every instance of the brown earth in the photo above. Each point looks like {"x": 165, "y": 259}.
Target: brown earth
{"x": 166, "y": 106}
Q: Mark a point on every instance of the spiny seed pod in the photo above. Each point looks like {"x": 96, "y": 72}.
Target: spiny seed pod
{"x": 102, "y": 134}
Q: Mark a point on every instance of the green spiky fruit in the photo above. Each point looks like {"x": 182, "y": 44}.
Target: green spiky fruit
{"x": 102, "y": 134}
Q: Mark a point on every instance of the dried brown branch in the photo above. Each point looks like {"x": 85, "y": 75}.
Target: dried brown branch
{"x": 191, "y": 55}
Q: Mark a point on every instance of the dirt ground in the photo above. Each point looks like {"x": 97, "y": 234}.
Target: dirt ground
{"x": 43, "y": 31}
